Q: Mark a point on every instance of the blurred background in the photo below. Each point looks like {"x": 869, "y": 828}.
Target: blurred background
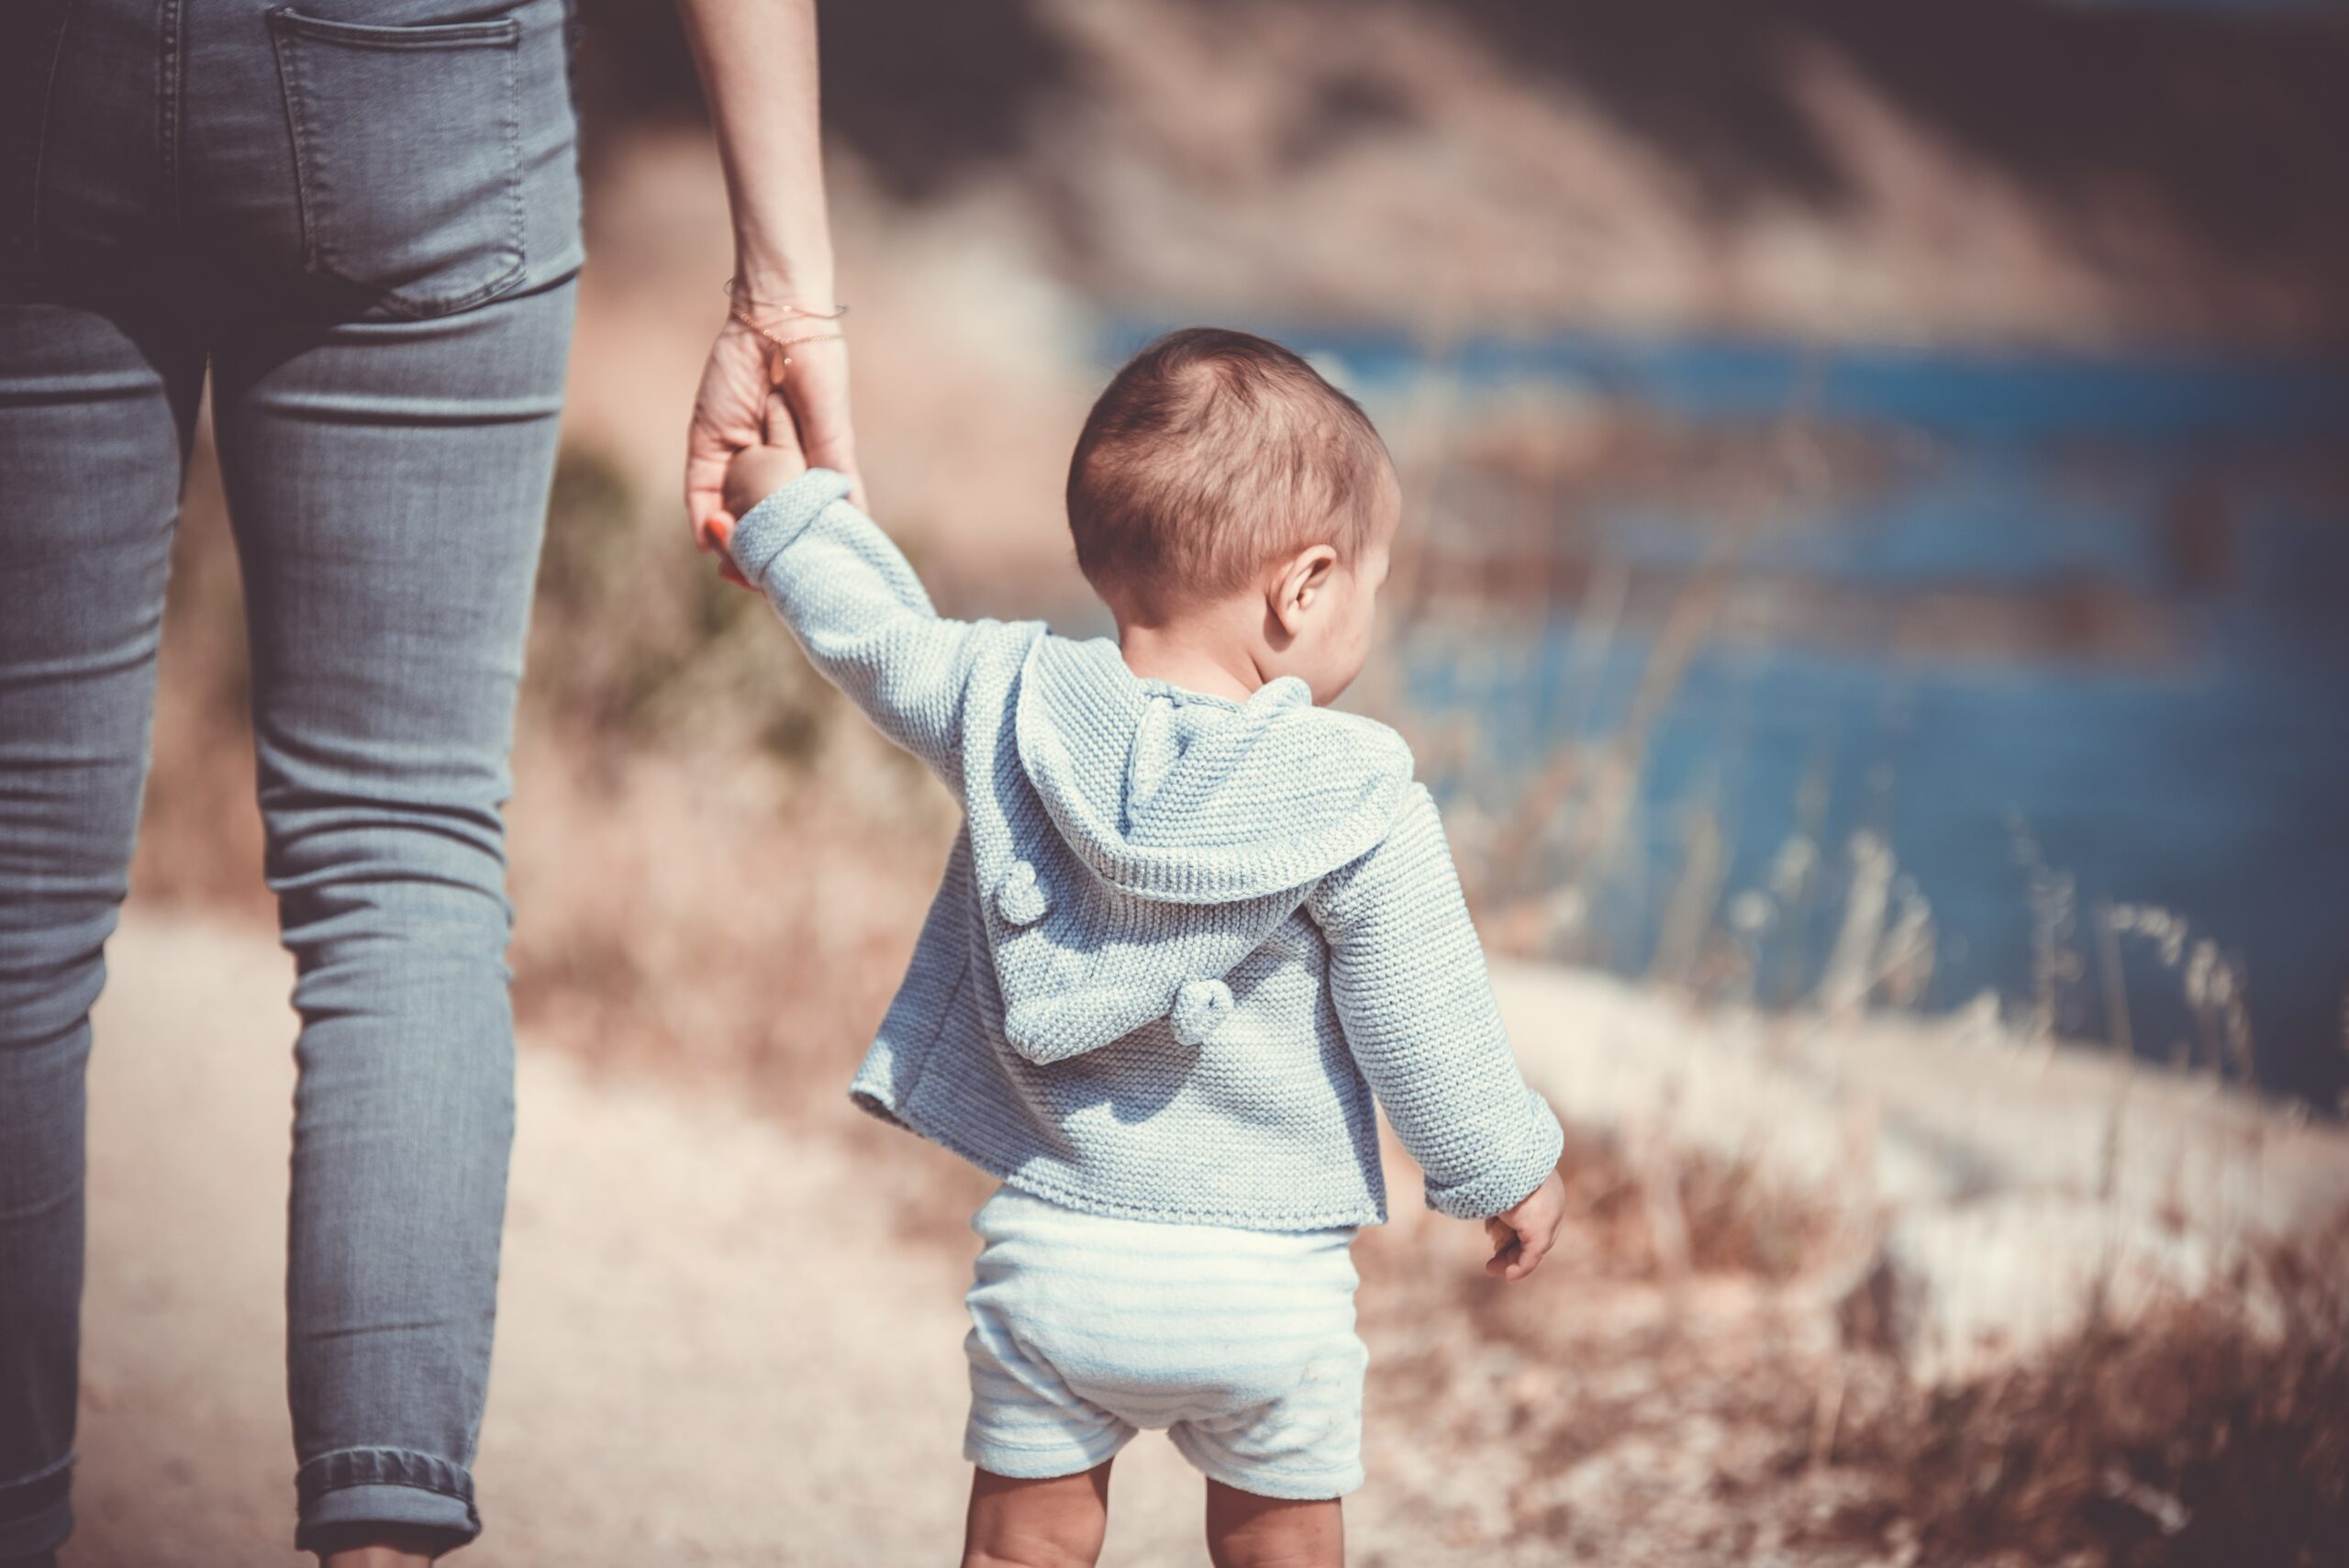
{"x": 1874, "y": 609}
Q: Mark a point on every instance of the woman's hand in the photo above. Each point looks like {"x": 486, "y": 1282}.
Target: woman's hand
{"x": 736, "y": 408}
{"x": 728, "y": 414}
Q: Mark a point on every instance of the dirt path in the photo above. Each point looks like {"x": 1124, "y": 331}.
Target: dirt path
{"x": 715, "y": 1347}
{"x": 709, "y": 1352}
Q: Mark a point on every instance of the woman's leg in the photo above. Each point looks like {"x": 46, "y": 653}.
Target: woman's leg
{"x": 96, "y": 406}
{"x": 1055, "y": 1523}
{"x": 94, "y": 414}
{"x": 388, "y": 483}
{"x": 1248, "y": 1531}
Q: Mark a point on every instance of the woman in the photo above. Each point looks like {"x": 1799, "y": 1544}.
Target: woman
{"x": 360, "y": 219}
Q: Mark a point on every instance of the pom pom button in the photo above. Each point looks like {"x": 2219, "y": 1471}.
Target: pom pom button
{"x": 1200, "y": 1008}
{"x": 1019, "y": 898}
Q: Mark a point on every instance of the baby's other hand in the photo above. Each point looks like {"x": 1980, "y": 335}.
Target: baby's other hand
{"x": 1523, "y": 1236}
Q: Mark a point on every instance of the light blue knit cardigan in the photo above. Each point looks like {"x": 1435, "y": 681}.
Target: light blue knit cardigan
{"x": 1181, "y": 941}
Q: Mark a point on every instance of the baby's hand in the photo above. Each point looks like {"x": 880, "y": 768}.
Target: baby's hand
{"x": 757, "y": 472}
{"x": 1523, "y": 1236}
{"x": 753, "y": 473}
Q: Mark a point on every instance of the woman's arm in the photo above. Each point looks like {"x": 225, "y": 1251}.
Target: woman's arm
{"x": 757, "y": 60}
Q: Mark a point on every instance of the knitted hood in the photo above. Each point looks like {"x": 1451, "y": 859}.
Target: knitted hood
{"x": 1149, "y": 839}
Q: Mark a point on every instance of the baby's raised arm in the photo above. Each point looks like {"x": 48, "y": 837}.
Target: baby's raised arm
{"x": 853, "y": 600}
{"x": 1408, "y": 977}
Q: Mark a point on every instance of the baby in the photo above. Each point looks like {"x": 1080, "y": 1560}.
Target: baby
{"x": 1195, "y": 927}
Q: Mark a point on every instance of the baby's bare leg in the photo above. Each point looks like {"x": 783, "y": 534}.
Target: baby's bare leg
{"x": 1248, "y": 1531}
{"x": 1057, "y": 1523}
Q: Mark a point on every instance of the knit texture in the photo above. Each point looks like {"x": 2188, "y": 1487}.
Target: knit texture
{"x": 1181, "y": 941}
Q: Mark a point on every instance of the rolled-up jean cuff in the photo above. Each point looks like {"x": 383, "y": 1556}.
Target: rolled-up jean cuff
{"x": 36, "y": 1514}
{"x": 383, "y": 1486}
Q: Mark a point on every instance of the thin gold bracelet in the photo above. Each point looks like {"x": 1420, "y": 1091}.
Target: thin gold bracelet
{"x": 737, "y": 295}
{"x": 782, "y": 346}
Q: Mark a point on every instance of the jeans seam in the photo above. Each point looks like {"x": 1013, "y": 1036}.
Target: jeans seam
{"x": 171, "y": 77}
{"x": 517, "y": 217}
{"x": 39, "y": 159}
{"x": 289, "y": 71}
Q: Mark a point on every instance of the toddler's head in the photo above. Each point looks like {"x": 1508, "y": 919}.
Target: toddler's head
{"x": 1225, "y": 493}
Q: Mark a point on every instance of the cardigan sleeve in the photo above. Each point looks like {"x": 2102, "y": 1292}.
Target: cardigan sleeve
{"x": 1408, "y": 977}
{"x": 852, "y": 599}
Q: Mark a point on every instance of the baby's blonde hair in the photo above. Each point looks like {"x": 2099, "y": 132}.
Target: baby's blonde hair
{"x": 1210, "y": 454}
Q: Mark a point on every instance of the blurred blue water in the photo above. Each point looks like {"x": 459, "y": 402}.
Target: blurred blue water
{"x": 2209, "y": 780}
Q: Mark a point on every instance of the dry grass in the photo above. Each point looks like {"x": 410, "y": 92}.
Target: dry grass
{"x": 1620, "y": 1409}
{"x": 733, "y": 925}
{"x": 2217, "y": 1434}
{"x": 1657, "y": 1213}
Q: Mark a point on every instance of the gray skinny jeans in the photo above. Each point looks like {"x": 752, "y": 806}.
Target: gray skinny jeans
{"x": 361, "y": 220}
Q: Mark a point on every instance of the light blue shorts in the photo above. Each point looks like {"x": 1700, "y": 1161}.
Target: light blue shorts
{"x": 1241, "y": 1344}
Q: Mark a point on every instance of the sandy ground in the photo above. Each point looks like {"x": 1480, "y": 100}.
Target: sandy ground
{"x": 715, "y": 1345}
{"x": 709, "y": 1352}
{"x": 718, "y": 1346}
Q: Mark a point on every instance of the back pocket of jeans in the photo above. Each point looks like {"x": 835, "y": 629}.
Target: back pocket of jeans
{"x": 407, "y": 145}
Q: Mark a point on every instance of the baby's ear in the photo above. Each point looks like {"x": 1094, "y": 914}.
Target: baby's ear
{"x": 1301, "y": 583}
